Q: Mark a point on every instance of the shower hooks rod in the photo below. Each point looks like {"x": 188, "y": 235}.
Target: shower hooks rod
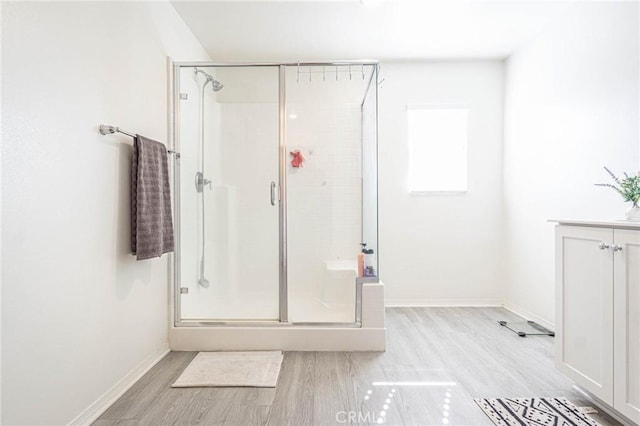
{"x": 106, "y": 129}
{"x": 334, "y": 69}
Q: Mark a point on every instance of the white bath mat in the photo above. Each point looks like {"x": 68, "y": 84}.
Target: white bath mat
{"x": 258, "y": 369}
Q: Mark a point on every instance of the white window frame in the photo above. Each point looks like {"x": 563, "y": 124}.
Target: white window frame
{"x": 423, "y": 192}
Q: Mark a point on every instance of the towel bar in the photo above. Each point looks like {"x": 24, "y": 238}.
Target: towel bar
{"x": 106, "y": 129}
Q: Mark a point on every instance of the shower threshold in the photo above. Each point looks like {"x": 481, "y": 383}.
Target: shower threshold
{"x": 266, "y": 323}
{"x": 366, "y": 335}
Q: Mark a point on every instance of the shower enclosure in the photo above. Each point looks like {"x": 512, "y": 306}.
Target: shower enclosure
{"x": 275, "y": 187}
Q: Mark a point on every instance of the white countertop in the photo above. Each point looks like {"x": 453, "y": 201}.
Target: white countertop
{"x": 612, "y": 223}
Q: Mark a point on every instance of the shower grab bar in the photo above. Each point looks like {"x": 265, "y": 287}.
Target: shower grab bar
{"x": 106, "y": 129}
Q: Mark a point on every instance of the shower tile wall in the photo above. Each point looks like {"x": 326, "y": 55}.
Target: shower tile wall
{"x": 324, "y": 210}
{"x": 242, "y": 235}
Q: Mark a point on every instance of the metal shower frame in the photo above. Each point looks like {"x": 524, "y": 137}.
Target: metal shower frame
{"x": 174, "y": 119}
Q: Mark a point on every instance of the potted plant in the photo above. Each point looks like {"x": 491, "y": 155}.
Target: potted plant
{"x": 629, "y": 188}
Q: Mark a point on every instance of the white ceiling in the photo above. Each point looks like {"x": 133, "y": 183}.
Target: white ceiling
{"x": 386, "y": 30}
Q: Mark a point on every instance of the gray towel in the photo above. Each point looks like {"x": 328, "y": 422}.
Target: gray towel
{"x": 151, "y": 226}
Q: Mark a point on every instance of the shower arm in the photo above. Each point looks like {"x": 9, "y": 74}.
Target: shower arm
{"x": 215, "y": 84}
{"x": 207, "y": 76}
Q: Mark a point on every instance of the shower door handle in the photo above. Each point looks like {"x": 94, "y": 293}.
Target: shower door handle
{"x": 273, "y": 193}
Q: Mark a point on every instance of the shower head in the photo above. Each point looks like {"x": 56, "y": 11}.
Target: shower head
{"x": 216, "y": 86}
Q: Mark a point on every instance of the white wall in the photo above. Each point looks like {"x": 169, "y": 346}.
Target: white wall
{"x": 78, "y": 312}
{"x": 442, "y": 249}
{"x": 571, "y": 107}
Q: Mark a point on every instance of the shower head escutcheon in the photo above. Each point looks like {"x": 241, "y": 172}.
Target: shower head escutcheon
{"x": 216, "y": 86}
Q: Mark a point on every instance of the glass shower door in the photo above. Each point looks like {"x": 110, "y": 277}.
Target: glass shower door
{"x": 228, "y": 182}
{"x": 328, "y": 185}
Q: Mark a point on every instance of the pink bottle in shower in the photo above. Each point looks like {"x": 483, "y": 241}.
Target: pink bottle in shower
{"x": 361, "y": 260}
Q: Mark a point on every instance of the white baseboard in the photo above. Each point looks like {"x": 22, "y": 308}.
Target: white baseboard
{"x": 409, "y": 303}
{"x": 605, "y": 407}
{"x": 94, "y": 411}
{"x": 529, "y": 316}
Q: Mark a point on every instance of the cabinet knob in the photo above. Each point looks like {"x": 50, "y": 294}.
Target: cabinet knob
{"x": 616, "y": 248}
{"x": 603, "y": 246}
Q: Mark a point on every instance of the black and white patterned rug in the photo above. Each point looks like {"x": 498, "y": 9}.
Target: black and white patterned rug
{"x": 534, "y": 412}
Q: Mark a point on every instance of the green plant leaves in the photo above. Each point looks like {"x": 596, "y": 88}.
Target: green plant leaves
{"x": 628, "y": 187}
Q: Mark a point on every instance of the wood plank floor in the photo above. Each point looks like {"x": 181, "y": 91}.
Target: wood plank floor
{"x": 437, "y": 361}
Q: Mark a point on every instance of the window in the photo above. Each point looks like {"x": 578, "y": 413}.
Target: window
{"x": 437, "y": 149}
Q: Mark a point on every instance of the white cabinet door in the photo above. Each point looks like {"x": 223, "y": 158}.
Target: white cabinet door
{"x": 584, "y": 308}
{"x": 627, "y": 323}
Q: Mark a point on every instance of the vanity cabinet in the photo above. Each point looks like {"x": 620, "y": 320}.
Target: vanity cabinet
{"x": 598, "y": 311}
